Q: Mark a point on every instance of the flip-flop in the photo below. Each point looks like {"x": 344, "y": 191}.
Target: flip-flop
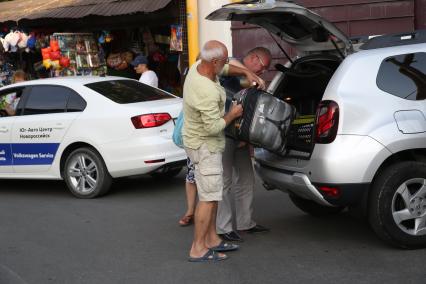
{"x": 224, "y": 246}
{"x": 210, "y": 255}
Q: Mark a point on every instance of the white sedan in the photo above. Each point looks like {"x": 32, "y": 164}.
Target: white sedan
{"x": 87, "y": 131}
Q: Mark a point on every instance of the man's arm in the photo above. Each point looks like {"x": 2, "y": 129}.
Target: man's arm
{"x": 210, "y": 115}
{"x": 236, "y": 63}
{"x": 234, "y": 70}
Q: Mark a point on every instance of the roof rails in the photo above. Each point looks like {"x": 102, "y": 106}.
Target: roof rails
{"x": 259, "y": 1}
{"x": 395, "y": 40}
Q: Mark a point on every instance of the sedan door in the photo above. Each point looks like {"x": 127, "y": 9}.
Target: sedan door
{"x": 6, "y": 123}
{"x": 40, "y": 127}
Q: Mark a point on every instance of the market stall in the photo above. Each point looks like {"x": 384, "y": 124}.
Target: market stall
{"x": 100, "y": 37}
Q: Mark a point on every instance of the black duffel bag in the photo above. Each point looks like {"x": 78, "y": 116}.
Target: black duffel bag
{"x": 265, "y": 122}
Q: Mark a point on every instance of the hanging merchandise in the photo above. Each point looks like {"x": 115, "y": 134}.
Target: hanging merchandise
{"x": 64, "y": 62}
{"x": 6, "y": 72}
{"x": 136, "y": 46}
{"x": 15, "y": 40}
{"x": 158, "y": 57}
{"x": 176, "y": 38}
{"x": 31, "y": 42}
{"x": 75, "y": 54}
{"x": 148, "y": 39}
{"x": 1, "y": 45}
{"x": 54, "y": 45}
{"x": 120, "y": 61}
{"x": 114, "y": 60}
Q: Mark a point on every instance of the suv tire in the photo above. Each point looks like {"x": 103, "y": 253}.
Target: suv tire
{"x": 313, "y": 208}
{"x": 85, "y": 174}
{"x": 398, "y": 203}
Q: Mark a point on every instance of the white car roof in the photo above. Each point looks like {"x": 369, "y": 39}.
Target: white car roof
{"x": 66, "y": 81}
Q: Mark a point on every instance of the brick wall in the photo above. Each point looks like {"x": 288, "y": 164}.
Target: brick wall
{"x": 353, "y": 17}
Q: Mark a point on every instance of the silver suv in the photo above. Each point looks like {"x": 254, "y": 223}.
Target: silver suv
{"x": 359, "y": 138}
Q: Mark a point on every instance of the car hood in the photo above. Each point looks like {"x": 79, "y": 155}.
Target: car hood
{"x": 296, "y": 25}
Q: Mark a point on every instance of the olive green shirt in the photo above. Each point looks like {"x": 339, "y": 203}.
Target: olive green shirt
{"x": 203, "y": 108}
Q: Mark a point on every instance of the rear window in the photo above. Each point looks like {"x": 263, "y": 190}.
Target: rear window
{"x": 128, "y": 91}
{"x": 404, "y": 76}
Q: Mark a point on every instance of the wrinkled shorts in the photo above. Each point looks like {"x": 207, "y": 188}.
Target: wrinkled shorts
{"x": 190, "y": 177}
{"x": 208, "y": 173}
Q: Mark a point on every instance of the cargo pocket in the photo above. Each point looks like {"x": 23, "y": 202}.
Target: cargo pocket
{"x": 210, "y": 177}
{"x": 210, "y": 183}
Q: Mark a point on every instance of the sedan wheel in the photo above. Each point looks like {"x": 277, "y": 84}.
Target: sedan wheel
{"x": 83, "y": 174}
{"x": 86, "y": 174}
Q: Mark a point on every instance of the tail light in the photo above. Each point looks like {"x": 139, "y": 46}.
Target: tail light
{"x": 327, "y": 122}
{"x": 150, "y": 120}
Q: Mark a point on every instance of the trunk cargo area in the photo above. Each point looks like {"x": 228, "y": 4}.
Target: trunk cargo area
{"x": 303, "y": 86}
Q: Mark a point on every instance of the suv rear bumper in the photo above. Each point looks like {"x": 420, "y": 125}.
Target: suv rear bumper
{"x": 300, "y": 185}
{"x": 296, "y": 183}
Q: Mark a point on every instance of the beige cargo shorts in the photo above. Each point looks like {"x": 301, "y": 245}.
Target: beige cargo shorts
{"x": 208, "y": 173}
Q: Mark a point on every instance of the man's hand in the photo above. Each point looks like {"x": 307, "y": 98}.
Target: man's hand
{"x": 241, "y": 144}
{"x": 252, "y": 79}
{"x": 234, "y": 112}
{"x": 255, "y": 80}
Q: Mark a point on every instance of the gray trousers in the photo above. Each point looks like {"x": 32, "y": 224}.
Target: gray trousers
{"x": 237, "y": 167}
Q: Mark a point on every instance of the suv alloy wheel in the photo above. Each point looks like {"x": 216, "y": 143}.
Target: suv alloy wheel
{"x": 397, "y": 210}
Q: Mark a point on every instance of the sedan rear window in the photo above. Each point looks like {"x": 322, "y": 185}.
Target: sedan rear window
{"x": 128, "y": 91}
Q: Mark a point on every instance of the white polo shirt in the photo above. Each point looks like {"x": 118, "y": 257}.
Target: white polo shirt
{"x": 149, "y": 78}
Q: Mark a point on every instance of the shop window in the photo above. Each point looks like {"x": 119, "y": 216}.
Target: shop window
{"x": 46, "y": 99}
{"x": 404, "y": 76}
{"x": 128, "y": 91}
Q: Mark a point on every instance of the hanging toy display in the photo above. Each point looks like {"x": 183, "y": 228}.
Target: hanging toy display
{"x": 15, "y": 40}
{"x": 64, "y": 62}
{"x": 52, "y": 55}
{"x": 76, "y": 54}
{"x": 31, "y": 42}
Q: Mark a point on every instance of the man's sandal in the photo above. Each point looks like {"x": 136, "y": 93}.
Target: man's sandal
{"x": 224, "y": 246}
{"x": 186, "y": 220}
{"x": 210, "y": 255}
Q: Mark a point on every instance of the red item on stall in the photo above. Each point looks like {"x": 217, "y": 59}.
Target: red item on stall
{"x": 54, "y": 44}
{"x": 45, "y": 52}
{"x": 55, "y": 55}
{"x": 64, "y": 62}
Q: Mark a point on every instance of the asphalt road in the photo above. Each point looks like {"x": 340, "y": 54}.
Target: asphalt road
{"x": 132, "y": 236}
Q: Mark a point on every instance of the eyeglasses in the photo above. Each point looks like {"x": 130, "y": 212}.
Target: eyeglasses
{"x": 262, "y": 63}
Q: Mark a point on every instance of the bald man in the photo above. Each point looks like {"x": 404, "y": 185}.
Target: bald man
{"x": 204, "y": 140}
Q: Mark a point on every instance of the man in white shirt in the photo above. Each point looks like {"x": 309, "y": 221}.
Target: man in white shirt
{"x": 148, "y": 77}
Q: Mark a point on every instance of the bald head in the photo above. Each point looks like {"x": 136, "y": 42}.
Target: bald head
{"x": 213, "y": 49}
